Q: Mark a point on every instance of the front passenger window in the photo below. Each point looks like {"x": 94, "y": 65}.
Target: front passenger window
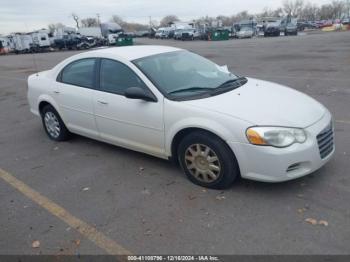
{"x": 116, "y": 77}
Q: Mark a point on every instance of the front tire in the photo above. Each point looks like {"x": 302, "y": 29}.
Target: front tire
{"x": 207, "y": 160}
{"x": 53, "y": 124}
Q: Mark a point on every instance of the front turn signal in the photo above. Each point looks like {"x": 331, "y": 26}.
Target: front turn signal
{"x": 254, "y": 137}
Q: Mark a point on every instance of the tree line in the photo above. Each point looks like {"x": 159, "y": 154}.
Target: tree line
{"x": 296, "y": 8}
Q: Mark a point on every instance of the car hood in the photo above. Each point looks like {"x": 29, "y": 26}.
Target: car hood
{"x": 265, "y": 103}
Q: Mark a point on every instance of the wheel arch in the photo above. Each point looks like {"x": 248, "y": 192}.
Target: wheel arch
{"x": 42, "y": 104}
{"x": 180, "y": 134}
{"x": 47, "y": 100}
{"x": 63, "y": 133}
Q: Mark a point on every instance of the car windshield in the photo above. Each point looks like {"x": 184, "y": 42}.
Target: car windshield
{"x": 182, "y": 74}
{"x": 293, "y": 22}
{"x": 273, "y": 24}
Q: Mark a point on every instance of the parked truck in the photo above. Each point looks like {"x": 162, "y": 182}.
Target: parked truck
{"x": 289, "y": 26}
{"x": 110, "y": 28}
{"x": 74, "y": 41}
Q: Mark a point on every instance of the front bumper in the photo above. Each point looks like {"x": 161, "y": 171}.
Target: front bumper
{"x": 270, "y": 164}
{"x": 244, "y": 35}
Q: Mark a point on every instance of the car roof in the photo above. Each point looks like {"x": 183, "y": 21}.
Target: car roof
{"x": 134, "y": 52}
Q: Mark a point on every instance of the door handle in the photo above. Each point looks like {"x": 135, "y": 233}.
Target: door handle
{"x": 102, "y": 102}
{"x": 56, "y": 92}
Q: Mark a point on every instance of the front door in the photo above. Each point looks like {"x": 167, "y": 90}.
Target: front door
{"x": 131, "y": 123}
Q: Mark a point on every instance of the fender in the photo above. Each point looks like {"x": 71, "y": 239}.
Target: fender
{"x": 197, "y": 122}
{"x": 51, "y": 101}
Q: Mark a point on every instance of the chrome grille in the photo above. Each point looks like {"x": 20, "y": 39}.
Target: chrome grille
{"x": 325, "y": 141}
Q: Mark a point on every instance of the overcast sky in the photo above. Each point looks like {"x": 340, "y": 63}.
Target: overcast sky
{"x": 28, "y": 15}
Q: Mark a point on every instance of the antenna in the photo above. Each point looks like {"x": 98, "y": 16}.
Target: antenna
{"x": 32, "y": 51}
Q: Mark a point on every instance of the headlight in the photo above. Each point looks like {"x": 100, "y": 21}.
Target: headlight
{"x": 275, "y": 136}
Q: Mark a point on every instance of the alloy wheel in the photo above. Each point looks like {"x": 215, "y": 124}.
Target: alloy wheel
{"x": 52, "y": 124}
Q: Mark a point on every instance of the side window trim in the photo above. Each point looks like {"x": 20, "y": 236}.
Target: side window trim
{"x": 98, "y": 73}
{"x": 94, "y": 81}
{"x": 98, "y": 78}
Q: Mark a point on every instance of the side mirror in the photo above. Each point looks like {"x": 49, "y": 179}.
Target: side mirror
{"x": 139, "y": 93}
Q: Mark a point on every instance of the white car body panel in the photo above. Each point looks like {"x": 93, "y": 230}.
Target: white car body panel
{"x": 151, "y": 127}
{"x": 76, "y": 107}
{"x": 253, "y": 102}
{"x": 121, "y": 121}
{"x": 177, "y": 118}
{"x": 270, "y": 164}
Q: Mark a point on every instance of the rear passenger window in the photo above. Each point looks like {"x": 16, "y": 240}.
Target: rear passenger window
{"x": 116, "y": 77}
{"x": 80, "y": 73}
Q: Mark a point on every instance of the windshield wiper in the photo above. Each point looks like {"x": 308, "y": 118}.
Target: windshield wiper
{"x": 238, "y": 80}
{"x": 190, "y": 89}
{"x": 229, "y": 85}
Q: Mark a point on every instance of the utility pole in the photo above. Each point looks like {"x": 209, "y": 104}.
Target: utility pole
{"x": 150, "y": 22}
{"x": 98, "y": 19}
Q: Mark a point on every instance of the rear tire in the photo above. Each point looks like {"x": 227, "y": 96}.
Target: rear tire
{"x": 207, "y": 160}
{"x": 53, "y": 124}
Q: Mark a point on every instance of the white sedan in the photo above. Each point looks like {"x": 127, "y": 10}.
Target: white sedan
{"x": 177, "y": 105}
{"x": 245, "y": 32}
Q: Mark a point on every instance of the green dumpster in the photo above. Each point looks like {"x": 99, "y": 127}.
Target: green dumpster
{"x": 219, "y": 35}
{"x": 124, "y": 41}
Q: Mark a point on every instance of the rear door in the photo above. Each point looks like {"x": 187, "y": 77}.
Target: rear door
{"x": 73, "y": 93}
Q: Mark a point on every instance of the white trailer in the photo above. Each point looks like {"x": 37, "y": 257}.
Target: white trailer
{"x": 90, "y": 31}
{"x": 11, "y": 42}
{"x": 41, "y": 40}
{"x": 22, "y": 43}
